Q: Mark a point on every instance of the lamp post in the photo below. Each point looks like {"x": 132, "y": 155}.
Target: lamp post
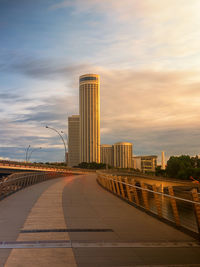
{"x": 27, "y": 149}
{"x": 34, "y": 149}
{"x": 66, "y": 137}
{"x": 67, "y": 146}
{"x": 61, "y": 139}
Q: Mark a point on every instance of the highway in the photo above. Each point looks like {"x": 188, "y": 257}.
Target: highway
{"x": 72, "y": 221}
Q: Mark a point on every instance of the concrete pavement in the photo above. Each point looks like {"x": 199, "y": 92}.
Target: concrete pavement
{"x": 77, "y": 223}
{"x": 87, "y": 205}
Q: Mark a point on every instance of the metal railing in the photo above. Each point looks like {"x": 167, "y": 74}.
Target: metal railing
{"x": 180, "y": 208}
{"x": 18, "y": 181}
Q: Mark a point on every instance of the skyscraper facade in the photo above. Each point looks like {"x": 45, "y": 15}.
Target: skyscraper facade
{"x": 89, "y": 110}
{"x": 123, "y": 155}
{"x": 73, "y": 140}
{"x": 107, "y": 154}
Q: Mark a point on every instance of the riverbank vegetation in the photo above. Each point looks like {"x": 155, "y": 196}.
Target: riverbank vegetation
{"x": 181, "y": 167}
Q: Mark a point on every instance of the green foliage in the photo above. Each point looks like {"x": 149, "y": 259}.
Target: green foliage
{"x": 160, "y": 172}
{"x": 91, "y": 165}
{"x": 183, "y": 167}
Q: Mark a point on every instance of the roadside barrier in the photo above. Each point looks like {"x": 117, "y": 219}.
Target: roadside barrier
{"x": 179, "y": 208}
{"x": 18, "y": 181}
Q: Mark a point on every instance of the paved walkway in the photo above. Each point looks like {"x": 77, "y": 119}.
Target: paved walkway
{"x": 72, "y": 221}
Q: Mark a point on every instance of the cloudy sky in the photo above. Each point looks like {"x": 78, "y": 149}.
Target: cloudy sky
{"x": 146, "y": 52}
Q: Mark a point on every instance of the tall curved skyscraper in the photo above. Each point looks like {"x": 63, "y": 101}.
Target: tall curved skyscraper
{"x": 89, "y": 110}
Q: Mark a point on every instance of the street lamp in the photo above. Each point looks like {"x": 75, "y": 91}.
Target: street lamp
{"x": 27, "y": 149}
{"x": 66, "y": 138}
{"x": 34, "y": 149}
{"x": 62, "y": 141}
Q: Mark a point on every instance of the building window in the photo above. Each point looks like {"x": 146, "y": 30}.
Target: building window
{"x": 88, "y": 79}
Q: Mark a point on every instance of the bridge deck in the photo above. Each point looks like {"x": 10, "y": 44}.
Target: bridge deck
{"x": 102, "y": 229}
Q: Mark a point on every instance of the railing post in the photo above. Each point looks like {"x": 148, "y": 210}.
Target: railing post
{"x": 103, "y": 181}
{"x": 35, "y": 177}
{"x": 109, "y": 183}
{"x": 28, "y": 180}
{"x": 128, "y": 189}
{"x": 157, "y": 201}
{"x": 121, "y": 186}
{"x": 25, "y": 181}
{"x": 1, "y": 190}
{"x": 135, "y": 193}
{"x": 145, "y": 196}
{"x": 113, "y": 185}
{"x": 174, "y": 206}
{"x": 106, "y": 181}
{"x": 197, "y": 207}
{"x": 100, "y": 179}
{"x": 6, "y": 189}
{"x": 117, "y": 185}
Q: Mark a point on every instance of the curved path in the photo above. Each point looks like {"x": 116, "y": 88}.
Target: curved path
{"x": 72, "y": 221}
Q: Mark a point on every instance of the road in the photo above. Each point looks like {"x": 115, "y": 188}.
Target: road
{"x": 72, "y": 221}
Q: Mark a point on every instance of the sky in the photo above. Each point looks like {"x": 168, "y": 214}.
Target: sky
{"x": 147, "y": 54}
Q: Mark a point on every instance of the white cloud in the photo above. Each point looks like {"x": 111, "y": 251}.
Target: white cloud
{"x": 145, "y": 34}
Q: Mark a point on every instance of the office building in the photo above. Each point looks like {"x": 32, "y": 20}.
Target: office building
{"x": 136, "y": 163}
{"x": 89, "y": 110}
{"x": 148, "y": 163}
{"x": 145, "y": 163}
{"x": 123, "y": 155}
{"x": 73, "y": 140}
{"x": 106, "y": 154}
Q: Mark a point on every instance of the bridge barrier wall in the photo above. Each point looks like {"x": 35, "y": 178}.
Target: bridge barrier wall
{"x": 171, "y": 207}
{"x": 18, "y": 181}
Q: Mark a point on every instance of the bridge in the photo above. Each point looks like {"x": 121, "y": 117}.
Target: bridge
{"x": 88, "y": 220}
{"x": 10, "y": 167}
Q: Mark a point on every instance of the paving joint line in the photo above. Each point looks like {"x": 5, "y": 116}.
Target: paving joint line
{"x": 95, "y": 244}
{"x": 27, "y": 231}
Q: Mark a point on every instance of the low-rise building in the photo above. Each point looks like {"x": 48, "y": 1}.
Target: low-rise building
{"x": 145, "y": 163}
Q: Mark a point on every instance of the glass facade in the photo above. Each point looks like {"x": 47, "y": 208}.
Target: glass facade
{"x": 89, "y": 78}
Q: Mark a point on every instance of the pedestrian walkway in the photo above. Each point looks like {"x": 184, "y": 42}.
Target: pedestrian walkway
{"x": 47, "y": 213}
{"x": 73, "y": 221}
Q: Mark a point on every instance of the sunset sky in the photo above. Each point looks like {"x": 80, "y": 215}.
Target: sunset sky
{"x": 147, "y": 54}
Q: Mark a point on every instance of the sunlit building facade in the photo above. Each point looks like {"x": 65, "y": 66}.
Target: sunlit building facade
{"x": 145, "y": 163}
{"x": 123, "y": 155}
{"x": 163, "y": 160}
{"x": 136, "y": 163}
{"x": 89, "y": 110}
{"x": 73, "y": 140}
{"x": 107, "y": 154}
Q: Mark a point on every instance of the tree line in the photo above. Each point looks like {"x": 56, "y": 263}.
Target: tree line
{"x": 181, "y": 167}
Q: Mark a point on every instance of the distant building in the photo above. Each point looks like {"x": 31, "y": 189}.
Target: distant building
{"x": 163, "y": 160}
{"x": 73, "y": 140}
{"x": 89, "y": 110}
{"x": 123, "y": 155}
{"x": 136, "y": 163}
{"x": 106, "y": 154}
{"x": 145, "y": 163}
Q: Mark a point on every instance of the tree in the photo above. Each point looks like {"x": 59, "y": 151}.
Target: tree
{"x": 182, "y": 167}
{"x": 91, "y": 165}
{"x": 160, "y": 172}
